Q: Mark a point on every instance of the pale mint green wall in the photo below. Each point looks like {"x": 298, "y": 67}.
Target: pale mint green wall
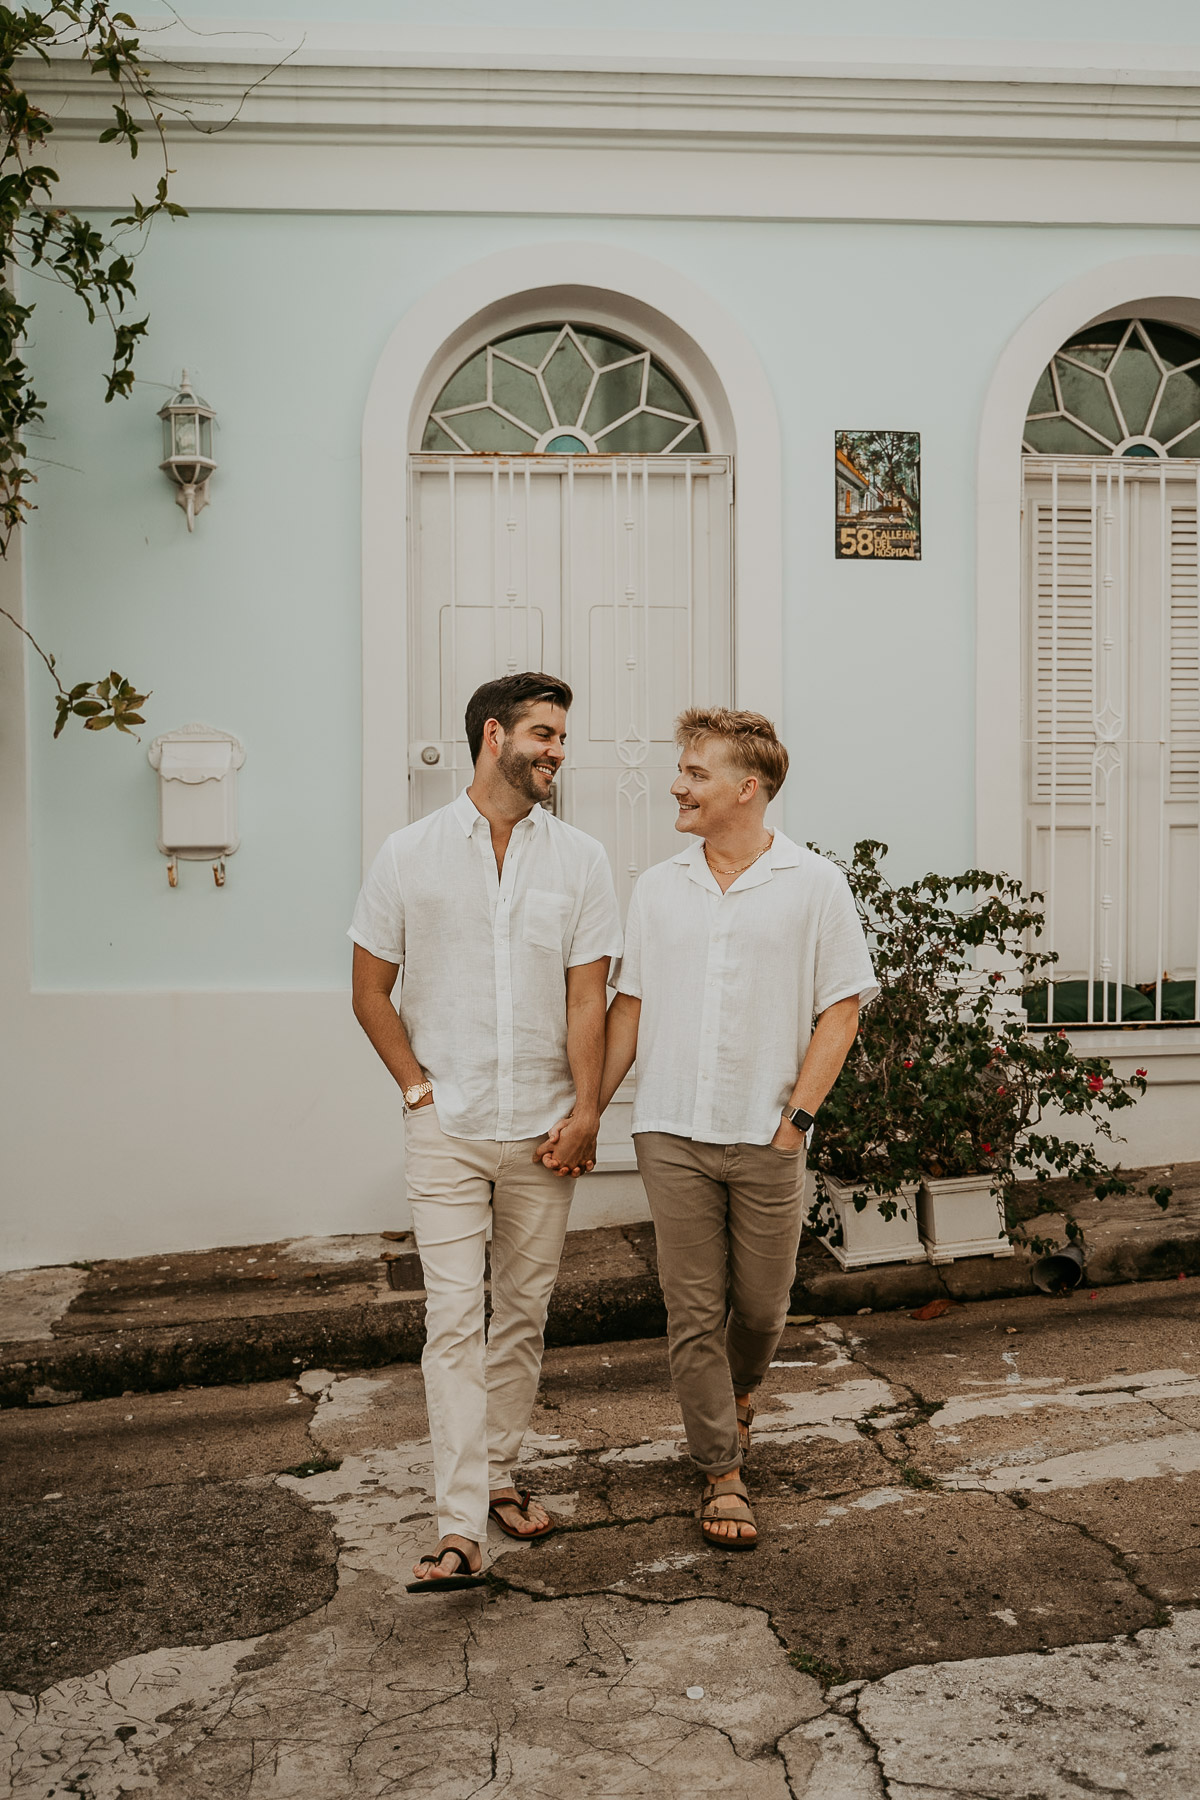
{"x": 252, "y": 624}
{"x": 1167, "y": 22}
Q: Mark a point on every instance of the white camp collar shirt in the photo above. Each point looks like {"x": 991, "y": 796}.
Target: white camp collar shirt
{"x": 730, "y": 985}
{"x": 483, "y": 959}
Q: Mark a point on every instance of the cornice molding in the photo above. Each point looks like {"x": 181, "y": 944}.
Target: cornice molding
{"x": 655, "y": 110}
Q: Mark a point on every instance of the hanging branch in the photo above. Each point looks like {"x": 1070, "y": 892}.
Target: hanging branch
{"x": 37, "y": 235}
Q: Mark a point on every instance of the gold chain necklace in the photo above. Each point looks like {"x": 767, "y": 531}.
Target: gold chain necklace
{"x": 741, "y": 868}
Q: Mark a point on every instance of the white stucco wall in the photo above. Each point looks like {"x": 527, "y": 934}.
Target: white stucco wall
{"x": 252, "y": 622}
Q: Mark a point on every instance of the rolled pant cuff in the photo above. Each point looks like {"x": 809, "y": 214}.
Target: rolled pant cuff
{"x": 460, "y": 1528}
{"x": 715, "y": 1474}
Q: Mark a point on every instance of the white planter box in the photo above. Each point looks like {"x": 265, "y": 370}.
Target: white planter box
{"x": 867, "y": 1237}
{"x": 961, "y": 1217}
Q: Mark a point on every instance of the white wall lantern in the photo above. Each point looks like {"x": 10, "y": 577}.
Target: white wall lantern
{"x": 197, "y": 796}
{"x": 187, "y": 447}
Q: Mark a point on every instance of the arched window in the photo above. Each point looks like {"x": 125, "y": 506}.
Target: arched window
{"x": 563, "y": 389}
{"x": 1112, "y": 670}
{"x": 1126, "y": 387}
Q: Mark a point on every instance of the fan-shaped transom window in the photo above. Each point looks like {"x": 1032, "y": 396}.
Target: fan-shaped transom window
{"x": 1128, "y": 387}
{"x": 564, "y": 390}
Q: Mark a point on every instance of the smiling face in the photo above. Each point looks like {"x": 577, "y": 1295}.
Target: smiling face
{"x": 711, "y": 791}
{"x": 531, "y": 754}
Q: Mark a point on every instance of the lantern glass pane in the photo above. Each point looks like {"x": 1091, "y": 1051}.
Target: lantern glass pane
{"x": 206, "y": 437}
{"x": 186, "y": 435}
{"x": 168, "y": 438}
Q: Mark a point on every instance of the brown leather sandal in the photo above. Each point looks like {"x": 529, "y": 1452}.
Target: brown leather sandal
{"x": 738, "y": 1514}
{"x": 745, "y": 1418}
{"x": 522, "y": 1505}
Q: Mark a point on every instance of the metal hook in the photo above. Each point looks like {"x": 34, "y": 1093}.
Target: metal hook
{"x": 219, "y": 871}
{"x": 173, "y": 872}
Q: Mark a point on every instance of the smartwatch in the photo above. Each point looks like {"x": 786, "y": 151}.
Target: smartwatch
{"x": 796, "y": 1115}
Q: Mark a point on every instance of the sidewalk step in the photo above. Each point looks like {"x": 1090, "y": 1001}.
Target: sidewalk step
{"x": 264, "y": 1311}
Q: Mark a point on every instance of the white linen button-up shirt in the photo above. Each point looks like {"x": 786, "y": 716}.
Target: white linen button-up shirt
{"x": 730, "y": 985}
{"x": 483, "y": 959}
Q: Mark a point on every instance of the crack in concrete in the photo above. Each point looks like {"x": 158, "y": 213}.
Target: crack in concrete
{"x": 850, "y": 1712}
{"x": 897, "y": 1790}
{"x": 1118, "y": 1558}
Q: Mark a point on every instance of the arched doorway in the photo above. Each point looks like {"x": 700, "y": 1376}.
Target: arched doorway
{"x": 1111, "y": 667}
{"x": 566, "y": 512}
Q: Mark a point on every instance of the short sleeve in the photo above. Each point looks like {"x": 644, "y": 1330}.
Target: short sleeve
{"x": 843, "y": 961}
{"x": 378, "y": 923}
{"x": 627, "y": 976}
{"x": 598, "y": 928}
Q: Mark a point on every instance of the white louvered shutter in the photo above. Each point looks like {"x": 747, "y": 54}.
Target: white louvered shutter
{"x": 1064, "y": 650}
{"x": 1112, "y": 715}
{"x": 1184, "y": 666}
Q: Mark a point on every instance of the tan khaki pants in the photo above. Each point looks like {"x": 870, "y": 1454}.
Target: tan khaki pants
{"x": 727, "y": 1221}
{"x": 479, "y": 1401}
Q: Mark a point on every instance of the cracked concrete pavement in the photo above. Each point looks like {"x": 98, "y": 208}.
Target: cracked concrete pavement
{"x": 980, "y": 1548}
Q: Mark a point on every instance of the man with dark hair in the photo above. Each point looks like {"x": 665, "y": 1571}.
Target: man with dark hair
{"x": 503, "y": 919}
{"x": 507, "y": 700}
{"x": 732, "y": 949}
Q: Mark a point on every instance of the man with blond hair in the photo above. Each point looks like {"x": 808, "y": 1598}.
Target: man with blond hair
{"x": 732, "y": 949}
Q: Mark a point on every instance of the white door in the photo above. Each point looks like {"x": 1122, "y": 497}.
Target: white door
{"x": 1112, "y": 719}
{"x": 613, "y": 572}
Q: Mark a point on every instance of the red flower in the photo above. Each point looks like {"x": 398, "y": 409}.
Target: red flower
{"x": 1096, "y": 1083}
{"x": 1141, "y": 1071}
{"x": 908, "y": 1062}
{"x": 1002, "y": 1090}
{"x": 987, "y": 1149}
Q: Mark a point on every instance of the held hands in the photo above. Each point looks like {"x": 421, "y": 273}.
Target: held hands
{"x": 569, "y": 1148}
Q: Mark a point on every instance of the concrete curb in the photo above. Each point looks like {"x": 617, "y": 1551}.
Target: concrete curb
{"x": 327, "y": 1309}
{"x": 206, "y": 1354}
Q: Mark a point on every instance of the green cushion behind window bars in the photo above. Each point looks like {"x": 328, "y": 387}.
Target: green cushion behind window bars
{"x": 1071, "y": 1003}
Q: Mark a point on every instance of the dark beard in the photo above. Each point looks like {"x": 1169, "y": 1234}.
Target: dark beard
{"x": 517, "y": 770}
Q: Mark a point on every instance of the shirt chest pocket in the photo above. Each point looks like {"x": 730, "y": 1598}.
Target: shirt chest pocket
{"x": 546, "y": 915}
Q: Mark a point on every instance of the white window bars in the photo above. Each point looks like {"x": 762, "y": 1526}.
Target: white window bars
{"x": 1112, "y": 734}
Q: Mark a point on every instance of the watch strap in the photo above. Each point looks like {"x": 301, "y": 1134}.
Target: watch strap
{"x": 796, "y": 1115}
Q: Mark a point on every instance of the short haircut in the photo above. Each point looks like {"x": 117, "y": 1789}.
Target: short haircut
{"x": 508, "y": 699}
{"x": 748, "y": 737}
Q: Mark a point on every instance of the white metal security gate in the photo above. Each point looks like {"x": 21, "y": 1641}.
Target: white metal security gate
{"x": 612, "y": 571}
{"x": 1112, "y": 723}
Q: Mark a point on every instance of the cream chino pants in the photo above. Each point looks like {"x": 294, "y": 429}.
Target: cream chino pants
{"x": 480, "y": 1397}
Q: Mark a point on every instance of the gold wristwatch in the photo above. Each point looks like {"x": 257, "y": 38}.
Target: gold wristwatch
{"x": 415, "y": 1093}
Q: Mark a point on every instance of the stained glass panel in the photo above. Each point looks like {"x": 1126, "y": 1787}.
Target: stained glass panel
{"x": 1131, "y": 397}
{"x": 1085, "y": 397}
{"x": 568, "y": 376}
{"x": 1135, "y": 376}
{"x": 517, "y": 391}
{"x": 581, "y": 370}
{"x": 618, "y": 391}
{"x": 1179, "y": 406}
{"x": 1061, "y": 437}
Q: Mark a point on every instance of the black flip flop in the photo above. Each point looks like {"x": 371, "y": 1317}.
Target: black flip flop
{"x": 522, "y": 1505}
{"x": 437, "y": 1584}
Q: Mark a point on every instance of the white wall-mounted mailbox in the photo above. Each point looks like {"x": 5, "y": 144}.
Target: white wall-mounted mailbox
{"x": 197, "y": 796}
